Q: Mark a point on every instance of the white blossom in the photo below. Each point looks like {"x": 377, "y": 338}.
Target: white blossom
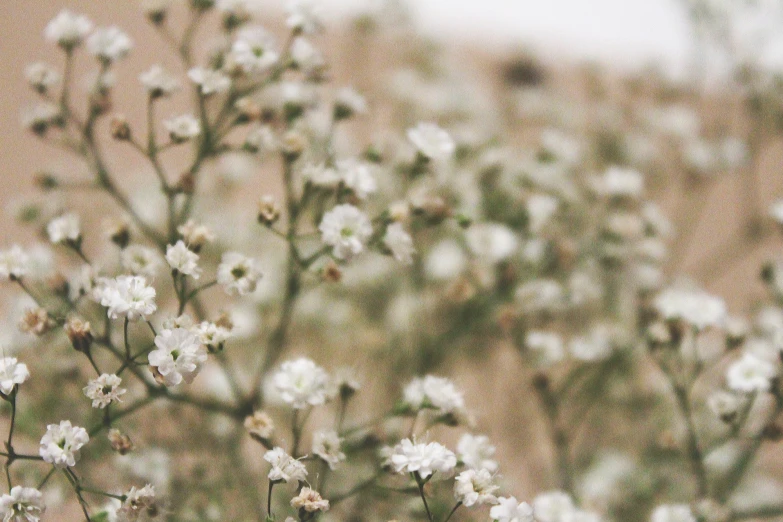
{"x": 211, "y": 334}
{"x": 424, "y": 459}
{"x": 552, "y": 506}
{"x": 159, "y": 82}
{"x": 476, "y": 452}
{"x": 431, "y": 141}
{"x": 301, "y": 383}
{"x": 751, "y": 374}
{"x": 357, "y": 176}
{"x": 302, "y": 16}
{"x": 61, "y": 443}
{"x": 540, "y": 209}
{"x": 22, "y": 505}
{"x": 349, "y": 102}
{"x": 68, "y": 29}
{"x": 696, "y": 307}
{"x": 64, "y": 228}
{"x": 434, "y": 392}
{"x": 238, "y": 274}
{"x": 284, "y": 466}
{"x": 209, "y": 81}
{"x": 127, "y": 296}
{"x": 41, "y": 76}
{"x": 473, "y": 487}
{"x": 619, "y": 182}
{"x": 320, "y": 175}
{"x": 547, "y": 346}
{"x": 492, "y": 242}
{"x": 12, "y": 373}
{"x": 347, "y": 229}
{"x": 109, "y": 43}
{"x": 140, "y": 260}
{"x": 183, "y": 128}
{"x": 104, "y": 390}
{"x": 183, "y": 260}
{"x": 140, "y": 505}
{"x": 309, "y": 500}
{"x": 510, "y": 510}
{"x": 326, "y": 445}
{"x": 179, "y": 356}
{"x": 14, "y": 263}
{"x": 254, "y": 50}
{"x": 673, "y": 513}
{"x": 400, "y": 243}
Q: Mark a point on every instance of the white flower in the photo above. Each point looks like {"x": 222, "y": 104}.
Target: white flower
{"x": 127, "y": 296}
{"x": 183, "y": 128}
{"x": 540, "y": 209}
{"x": 140, "y": 505}
{"x": 309, "y": 500}
{"x": 211, "y": 334}
{"x": 104, "y": 390}
{"x": 400, "y": 243}
{"x": 68, "y": 29}
{"x": 433, "y": 392}
{"x": 356, "y": 175}
{"x": 619, "y": 182}
{"x": 301, "y": 383}
{"x": 40, "y": 117}
{"x": 326, "y": 445}
{"x": 750, "y": 374}
{"x": 696, "y": 307}
{"x": 473, "y": 487}
{"x": 41, "y": 76}
{"x": 552, "y": 506}
{"x": 64, "y": 228}
{"x": 14, "y": 263}
{"x": 284, "y": 466}
{"x": 302, "y": 16}
{"x": 548, "y": 346}
{"x": 321, "y": 175}
{"x": 179, "y": 356}
{"x": 347, "y": 229}
{"x": 306, "y": 57}
{"x": 140, "y": 260}
{"x": 424, "y": 459}
{"x": 491, "y": 242}
{"x": 209, "y": 81}
{"x": 724, "y": 405}
{"x": 673, "y": 513}
{"x": 596, "y": 345}
{"x": 158, "y": 81}
{"x": 61, "y": 443}
{"x": 12, "y": 373}
{"x": 476, "y": 452}
{"x": 254, "y": 50}
{"x": 509, "y": 510}
{"x": 183, "y": 260}
{"x": 195, "y": 234}
{"x": 432, "y": 141}
{"x": 348, "y": 102}
{"x": 238, "y": 274}
{"x": 240, "y": 8}
{"x": 22, "y": 505}
{"x": 109, "y": 43}
{"x": 446, "y": 260}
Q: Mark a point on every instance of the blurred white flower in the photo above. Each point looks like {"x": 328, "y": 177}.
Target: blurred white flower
{"x": 284, "y": 466}
{"x": 238, "y": 274}
{"x": 433, "y": 392}
{"x": 104, "y": 390}
{"x": 673, "y": 513}
{"x": 400, "y": 243}
{"x": 347, "y": 229}
{"x": 473, "y": 487}
{"x": 12, "y": 373}
{"x": 476, "y": 452}
{"x": 431, "y": 141}
{"x": 209, "y": 81}
{"x": 183, "y": 260}
{"x": 302, "y": 383}
{"x": 22, "y": 505}
{"x": 109, "y": 44}
{"x": 68, "y": 29}
{"x": 751, "y": 374}
{"x": 511, "y": 510}
{"x": 64, "y": 228}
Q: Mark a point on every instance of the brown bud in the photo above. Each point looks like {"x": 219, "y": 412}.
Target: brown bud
{"x": 261, "y": 428}
{"x": 268, "y": 211}
{"x": 186, "y": 183}
{"x": 540, "y": 381}
{"x": 58, "y": 284}
{"x": 332, "y": 273}
{"x": 248, "y": 109}
{"x": 120, "y": 130}
{"x": 36, "y": 321}
{"x": 224, "y": 321}
{"x": 120, "y": 234}
{"x": 79, "y": 333}
{"x": 120, "y": 442}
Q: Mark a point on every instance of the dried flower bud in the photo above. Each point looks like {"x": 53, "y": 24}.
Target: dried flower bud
{"x": 120, "y": 442}
{"x": 331, "y": 272}
{"x": 261, "y": 428}
{"x": 79, "y": 333}
{"x": 46, "y": 181}
{"x": 58, "y": 284}
{"x": 292, "y": 145}
{"x": 400, "y": 211}
{"x": 186, "y": 183}
{"x": 248, "y": 110}
{"x": 433, "y": 208}
{"x": 36, "y": 321}
{"x": 119, "y": 233}
{"x": 540, "y": 381}
{"x": 195, "y": 235}
{"x": 268, "y": 211}
{"x": 736, "y": 332}
{"x": 120, "y": 130}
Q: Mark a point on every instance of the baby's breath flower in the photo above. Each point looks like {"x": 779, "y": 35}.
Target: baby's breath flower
{"x": 552, "y": 506}
{"x": 308, "y": 59}
{"x": 357, "y": 176}
{"x": 320, "y": 175}
{"x": 751, "y": 374}
{"x": 284, "y": 467}
{"x": 724, "y": 405}
{"x": 36, "y": 321}
{"x": 310, "y": 501}
{"x": 302, "y": 383}
{"x": 260, "y": 426}
{"x": 140, "y": 260}
{"x": 109, "y": 44}
{"x": 303, "y": 16}
{"x": 41, "y": 116}
{"x": 696, "y": 307}
{"x": 119, "y": 441}
{"x": 61, "y": 443}
{"x": 155, "y": 10}
{"x": 209, "y": 81}
{"x": 212, "y": 335}
{"x": 12, "y": 374}
{"x": 254, "y": 50}
{"x": 183, "y": 128}
{"x": 424, "y": 459}
{"x": 492, "y": 242}
{"x": 104, "y": 390}
{"x": 158, "y": 82}
{"x": 540, "y": 209}
{"x": 619, "y": 182}
{"x": 476, "y": 452}
{"x": 64, "y": 229}
{"x": 347, "y": 229}
{"x": 547, "y": 346}
{"x": 326, "y": 445}
{"x": 179, "y": 356}
{"x": 433, "y": 392}
{"x": 673, "y": 513}
{"x": 183, "y": 260}
{"x": 431, "y": 141}
{"x": 400, "y": 243}
{"x": 348, "y": 102}
{"x": 195, "y": 234}
{"x": 41, "y": 76}
{"x": 22, "y": 505}
{"x": 238, "y": 274}
{"x": 473, "y": 487}
{"x": 511, "y": 510}
{"x": 140, "y": 505}
{"x": 127, "y": 296}
{"x": 68, "y": 29}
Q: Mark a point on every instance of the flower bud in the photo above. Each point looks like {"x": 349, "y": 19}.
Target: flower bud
{"x": 36, "y": 321}
{"x": 268, "y": 211}
{"x": 79, "y": 333}
{"x": 120, "y": 130}
{"x": 120, "y": 442}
